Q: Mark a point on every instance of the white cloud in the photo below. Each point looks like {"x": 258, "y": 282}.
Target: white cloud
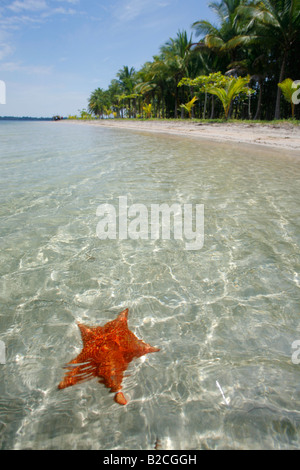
{"x": 28, "y": 69}
{"x": 131, "y": 9}
{"x": 18, "y": 13}
{"x": 26, "y": 12}
{"x": 74, "y": 2}
{"x": 36, "y": 5}
{"x": 5, "y": 50}
{"x": 30, "y": 5}
{"x": 43, "y": 6}
{"x": 59, "y": 11}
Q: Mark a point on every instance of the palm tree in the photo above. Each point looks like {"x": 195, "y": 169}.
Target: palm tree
{"x": 126, "y": 77}
{"x": 217, "y": 38}
{"x": 288, "y": 89}
{"x": 160, "y": 75}
{"x": 255, "y": 63}
{"x": 147, "y": 108}
{"x": 176, "y": 54}
{"x": 114, "y": 91}
{"x": 147, "y": 86}
{"x": 260, "y": 38}
{"x": 232, "y": 89}
{"x": 275, "y": 25}
{"x": 98, "y": 101}
{"x": 203, "y": 83}
{"x": 215, "y": 44}
{"x": 189, "y": 106}
{"x": 127, "y": 80}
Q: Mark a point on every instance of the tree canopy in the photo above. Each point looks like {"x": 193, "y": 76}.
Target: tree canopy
{"x": 253, "y": 47}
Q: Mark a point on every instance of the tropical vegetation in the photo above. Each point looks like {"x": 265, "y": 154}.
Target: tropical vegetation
{"x": 243, "y": 67}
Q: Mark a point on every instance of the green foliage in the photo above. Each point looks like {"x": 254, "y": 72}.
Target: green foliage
{"x": 84, "y": 114}
{"x": 189, "y": 106}
{"x": 203, "y": 82}
{"x": 275, "y": 25}
{"x": 98, "y": 102}
{"x": 288, "y": 89}
{"x": 147, "y": 110}
{"x": 224, "y": 87}
{"x": 233, "y": 88}
{"x": 256, "y": 38}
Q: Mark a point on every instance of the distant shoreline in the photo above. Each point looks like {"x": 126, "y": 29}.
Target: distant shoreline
{"x": 25, "y": 119}
{"x": 284, "y": 136}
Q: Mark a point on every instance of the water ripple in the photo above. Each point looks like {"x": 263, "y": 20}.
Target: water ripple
{"x": 228, "y": 313}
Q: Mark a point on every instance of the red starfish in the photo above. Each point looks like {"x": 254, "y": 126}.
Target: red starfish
{"x": 107, "y": 352}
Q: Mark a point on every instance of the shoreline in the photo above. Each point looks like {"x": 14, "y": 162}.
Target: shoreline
{"x": 283, "y": 136}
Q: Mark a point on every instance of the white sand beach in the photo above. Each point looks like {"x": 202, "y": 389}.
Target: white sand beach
{"x": 280, "y": 136}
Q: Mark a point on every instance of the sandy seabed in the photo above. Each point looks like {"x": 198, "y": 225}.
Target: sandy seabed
{"x": 281, "y": 136}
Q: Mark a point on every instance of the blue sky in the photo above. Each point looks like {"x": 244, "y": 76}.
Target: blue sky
{"x": 54, "y": 53}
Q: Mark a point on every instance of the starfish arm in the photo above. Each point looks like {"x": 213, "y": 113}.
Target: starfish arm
{"x": 123, "y": 315}
{"x": 133, "y": 347}
{"x": 77, "y": 373}
{"x": 114, "y": 382}
{"x": 111, "y": 371}
{"x": 145, "y": 348}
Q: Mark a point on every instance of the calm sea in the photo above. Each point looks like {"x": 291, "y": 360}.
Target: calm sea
{"x": 226, "y": 316}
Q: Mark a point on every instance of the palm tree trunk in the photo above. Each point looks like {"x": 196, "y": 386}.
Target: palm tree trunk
{"x": 182, "y": 101}
{"x": 249, "y": 105}
{"x": 176, "y": 99}
{"x": 162, "y": 102}
{"x": 229, "y": 111}
{"x": 152, "y": 101}
{"x": 277, "y": 105}
{"x": 258, "y": 109}
{"x": 212, "y": 114}
{"x": 205, "y": 103}
{"x": 193, "y": 109}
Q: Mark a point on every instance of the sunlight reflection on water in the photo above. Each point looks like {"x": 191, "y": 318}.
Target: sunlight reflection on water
{"x": 228, "y": 313}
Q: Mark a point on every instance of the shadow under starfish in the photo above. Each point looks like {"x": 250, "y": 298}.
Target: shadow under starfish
{"x": 106, "y": 354}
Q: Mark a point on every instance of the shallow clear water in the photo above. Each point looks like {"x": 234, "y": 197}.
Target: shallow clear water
{"x": 228, "y": 312}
